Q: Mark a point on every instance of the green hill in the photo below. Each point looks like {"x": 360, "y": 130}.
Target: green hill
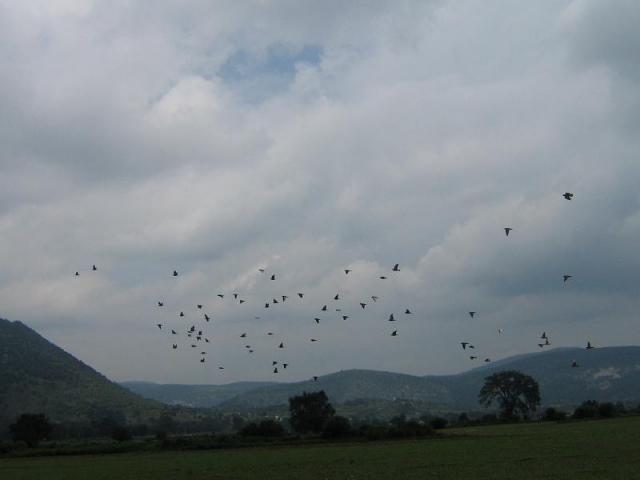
{"x": 37, "y": 376}
{"x": 201, "y": 396}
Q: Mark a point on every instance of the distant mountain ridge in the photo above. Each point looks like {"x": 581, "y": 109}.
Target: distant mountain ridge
{"x": 604, "y": 374}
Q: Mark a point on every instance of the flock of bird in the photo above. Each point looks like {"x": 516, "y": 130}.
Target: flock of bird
{"x": 197, "y": 338}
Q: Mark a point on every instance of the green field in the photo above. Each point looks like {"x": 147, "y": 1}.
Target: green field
{"x": 575, "y": 450}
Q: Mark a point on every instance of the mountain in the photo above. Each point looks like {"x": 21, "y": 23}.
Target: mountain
{"x": 203, "y": 396}
{"x": 604, "y": 374}
{"x": 36, "y": 376}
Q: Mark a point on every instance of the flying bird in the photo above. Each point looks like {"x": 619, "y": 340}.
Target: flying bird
{"x": 363, "y": 305}
{"x": 394, "y": 333}
{"x": 464, "y": 345}
{"x": 589, "y": 346}
{"x": 568, "y": 195}
{"x": 175, "y": 273}
{"x": 275, "y": 370}
{"x": 273, "y": 277}
{"x": 566, "y": 277}
{"x": 206, "y": 317}
{"x": 317, "y": 320}
{"x": 94, "y": 268}
{"x": 574, "y": 364}
{"x": 472, "y": 314}
{"x": 324, "y": 308}
{"x": 472, "y": 357}
{"x": 221, "y": 295}
{"x": 266, "y": 305}
{"x": 315, "y": 379}
{"x": 346, "y": 272}
{"x": 337, "y": 297}
{"x": 314, "y": 340}
{"x": 261, "y": 270}
{"x": 244, "y": 335}
{"x": 285, "y": 365}
{"x": 160, "y": 326}
{"x": 181, "y": 314}
{"x": 507, "y": 230}
{"x": 396, "y": 267}
{"x": 301, "y": 295}
{"x": 160, "y": 304}
{"x": 487, "y": 360}
{"x": 175, "y": 346}
{"x": 344, "y": 317}
{"x": 199, "y": 306}
{"x": 407, "y": 312}
{"x": 281, "y": 345}
{"x": 77, "y": 274}
{"x": 500, "y": 331}
{"x": 374, "y": 298}
{"x": 391, "y": 318}
{"x": 284, "y": 297}
{"x": 235, "y": 295}
{"x": 173, "y": 332}
{"x": 383, "y": 277}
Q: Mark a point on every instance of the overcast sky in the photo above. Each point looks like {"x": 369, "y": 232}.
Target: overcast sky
{"x": 219, "y": 137}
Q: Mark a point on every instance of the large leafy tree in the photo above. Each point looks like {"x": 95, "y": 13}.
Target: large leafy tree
{"x": 30, "y": 428}
{"x": 310, "y": 412}
{"x": 517, "y": 394}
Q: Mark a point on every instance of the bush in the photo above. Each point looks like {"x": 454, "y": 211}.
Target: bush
{"x": 438, "y": 423}
{"x": 588, "y": 409}
{"x": 337, "y": 427}
{"x": 266, "y": 428}
{"x": 31, "y": 428}
{"x": 553, "y": 415}
{"x": 606, "y": 410}
{"x": 120, "y": 434}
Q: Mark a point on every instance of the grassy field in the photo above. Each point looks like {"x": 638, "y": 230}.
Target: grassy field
{"x": 607, "y": 449}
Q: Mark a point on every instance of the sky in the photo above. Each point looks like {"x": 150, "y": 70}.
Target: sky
{"x": 220, "y": 137}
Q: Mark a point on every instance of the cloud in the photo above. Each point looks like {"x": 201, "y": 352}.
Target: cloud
{"x": 306, "y": 138}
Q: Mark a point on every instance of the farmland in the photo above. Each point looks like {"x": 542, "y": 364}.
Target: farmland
{"x": 585, "y": 450}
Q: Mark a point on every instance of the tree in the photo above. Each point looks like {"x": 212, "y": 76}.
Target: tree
{"x": 266, "y": 428}
{"x": 337, "y": 427}
{"x": 310, "y": 412}
{"x": 31, "y": 428}
{"x": 516, "y": 393}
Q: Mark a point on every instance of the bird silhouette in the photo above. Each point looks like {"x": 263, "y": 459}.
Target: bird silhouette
{"x": 175, "y": 346}
{"x": 464, "y": 345}
{"x": 266, "y": 305}
{"x": 275, "y": 370}
{"x": 566, "y": 277}
{"x": 315, "y": 379}
{"x": 221, "y": 295}
{"x": 301, "y": 295}
{"x": 199, "y": 306}
{"x": 206, "y": 317}
{"x": 574, "y": 364}
{"x": 244, "y": 335}
{"x": 391, "y": 318}
{"x": 175, "y": 273}
{"x": 314, "y": 340}
{"x": 285, "y": 365}
{"x": 374, "y": 298}
{"x": 281, "y": 345}
{"x": 235, "y": 295}
{"x": 344, "y": 317}
{"x": 507, "y": 230}
{"x": 589, "y": 346}
{"x": 396, "y": 267}
{"x": 317, "y": 320}
{"x": 324, "y": 308}
{"x": 472, "y": 357}
{"x": 363, "y": 305}
{"x": 181, "y": 314}
{"x": 160, "y": 326}
{"x": 346, "y": 272}
{"x": 568, "y": 195}
{"x": 202, "y": 360}
{"x": 407, "y": 312}
{"x": 94, "y": 268}
{"x": 394, "y": 333}
{"x": 160, "y": 304}
{"x": 261, "y": 270}
{"x": 337, "y": 297}
{"x": 487, "y": 360}
{"x": 274, "y": 362}
{"x": 274, "y": 301}
{"x": 472, "y": 314}
{"x": 77, "y": 274}
{"x": 284, "y": 297}
{"x": 173, "y": 332}
{"x": 383, "y": 277}
{"x": 273, "y": 277}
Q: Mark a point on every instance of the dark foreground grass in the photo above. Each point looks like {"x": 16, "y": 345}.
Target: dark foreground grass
{"x": 604, "y": 449}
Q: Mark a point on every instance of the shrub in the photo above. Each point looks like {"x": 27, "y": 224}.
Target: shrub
{"x": 31, "y": 428}
{"x": 266, "y": 428}
{"x": 553, "y": 415}
{"x": 588, "y": 409}
{"x": 606, "y": 410}
{"x": 438, "y": 423}
{"x": 337, "y": 427}
{"x": 120, "y": 433}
